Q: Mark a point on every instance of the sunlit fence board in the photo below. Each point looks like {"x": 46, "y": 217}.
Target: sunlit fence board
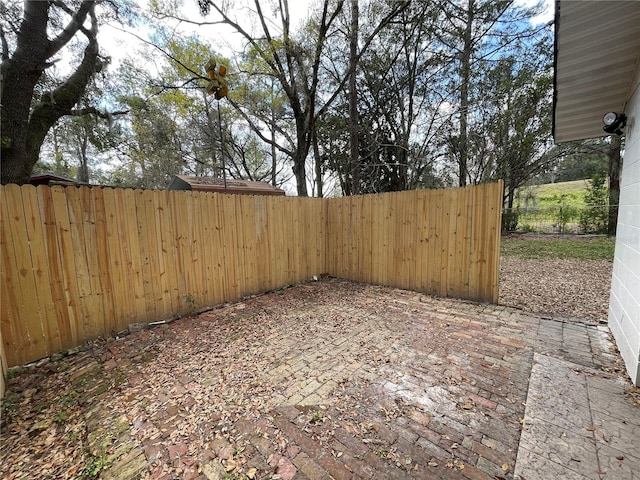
{"x": 78, "y": 263}
{"x": 442, "y": 242}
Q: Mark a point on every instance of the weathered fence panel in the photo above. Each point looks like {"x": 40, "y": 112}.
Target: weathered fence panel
{"x": 79, "y": 263}
{"x": 442, "y": 242}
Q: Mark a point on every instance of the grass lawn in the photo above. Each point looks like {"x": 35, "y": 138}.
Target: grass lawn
{"x": 555, "y": 208}
{"x": 579, "y": 248}
{"x": 553, "y": 194}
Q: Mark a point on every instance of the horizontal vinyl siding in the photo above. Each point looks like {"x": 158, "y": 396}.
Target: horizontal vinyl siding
{"x": 624, "y": 305}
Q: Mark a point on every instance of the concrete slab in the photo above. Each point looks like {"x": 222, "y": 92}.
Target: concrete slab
{"x": 578, "y": 424}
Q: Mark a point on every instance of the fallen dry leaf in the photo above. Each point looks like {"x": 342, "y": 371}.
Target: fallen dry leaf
{"x": 200, "y": 378}
{"x": 569, "y": 288}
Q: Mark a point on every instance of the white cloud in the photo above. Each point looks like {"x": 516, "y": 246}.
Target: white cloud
{"x": 546, "y": 16}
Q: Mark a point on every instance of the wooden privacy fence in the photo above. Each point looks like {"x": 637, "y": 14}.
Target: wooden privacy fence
{"x": 79, "y": 263}
{"x": 442, "y": 242}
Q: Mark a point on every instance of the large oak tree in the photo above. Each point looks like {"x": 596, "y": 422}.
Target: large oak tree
{"x": 32, "y": 41}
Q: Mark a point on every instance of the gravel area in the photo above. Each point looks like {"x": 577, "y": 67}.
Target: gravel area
{"x": 576, "y": 289}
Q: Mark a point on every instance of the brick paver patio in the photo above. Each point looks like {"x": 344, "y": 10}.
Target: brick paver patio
{"x": 323, "y": 380}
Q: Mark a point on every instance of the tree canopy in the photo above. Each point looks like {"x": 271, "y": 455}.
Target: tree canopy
{"x": 353, "y": 97}
{"x": 33, "y": 98}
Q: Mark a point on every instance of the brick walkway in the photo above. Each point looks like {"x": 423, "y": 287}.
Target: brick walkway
{"x": 329, "y": 380}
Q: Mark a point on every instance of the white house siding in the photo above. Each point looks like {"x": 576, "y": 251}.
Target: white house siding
{"x": 624, "y": 305}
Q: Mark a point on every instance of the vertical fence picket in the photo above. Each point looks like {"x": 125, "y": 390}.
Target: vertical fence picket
{"x": 42, "y": 281}
{"x": 56, "y": 271}
{"x": 14, "y": 329}
{"x": 148, "y": 262}
{"x": 160, "y": 215}
{"x": 81, "y": 268}
{"x": 220, "y": 285}
{"x": 494, "y": 225}
{"x": 102, "y": 255}
{"x": 204, "y": 233}
{"x": 113, "y": 259}
{"x": 65, "y": 245}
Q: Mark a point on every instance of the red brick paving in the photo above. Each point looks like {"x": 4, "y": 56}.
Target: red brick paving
{"x": 336, "y": 380}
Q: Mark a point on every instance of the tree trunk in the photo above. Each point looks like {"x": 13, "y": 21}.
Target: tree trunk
{"x": 273, "y": 138}
{"x": 304, "y": 131}
{"x": 20, "y": 76}
{"x": 58, "y": 157}
{"x": 273, "y": 153}
{"x": 300, "y": 175}
{"x": 465, "y": 74}
{"x": 318, "y": 165}
{"x": 24, "y": 128}
{"x": 510, "y": 196}
{"x": 353, "y": 101}
{"x": 83, "y": 168}
{"x": 615, "y": 162}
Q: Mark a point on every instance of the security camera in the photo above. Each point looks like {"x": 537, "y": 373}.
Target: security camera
{"x": 614, "y": 122}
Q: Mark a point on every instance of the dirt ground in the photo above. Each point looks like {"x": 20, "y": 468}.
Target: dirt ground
{"x": 575, "y": 289}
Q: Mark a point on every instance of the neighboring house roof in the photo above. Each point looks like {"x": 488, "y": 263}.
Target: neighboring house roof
{"x": 597, "y": 49}
{"x": 49, "y": 178}
{"x": 211, "y": 184}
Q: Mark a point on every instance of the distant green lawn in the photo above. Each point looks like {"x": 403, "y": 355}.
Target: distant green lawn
{"x": 553, "y": 207}
{"x": 579, "y": 248}
{"x": 553, "y": 194}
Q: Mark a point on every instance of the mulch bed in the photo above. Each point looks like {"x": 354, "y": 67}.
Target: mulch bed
{"x": 575, "y": 289}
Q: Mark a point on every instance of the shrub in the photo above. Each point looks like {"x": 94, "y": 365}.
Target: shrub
{"x": 510, "y": 219}
{"x": 595, "y": 216}
{"x": 564, "y": 215}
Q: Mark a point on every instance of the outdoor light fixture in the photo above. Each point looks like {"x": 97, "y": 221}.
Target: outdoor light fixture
{"x": 614, "y": 122}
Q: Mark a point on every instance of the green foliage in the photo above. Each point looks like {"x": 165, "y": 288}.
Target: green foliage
{"x": 517, "y": 135}
{"x": 70, "y": 399}
{"x": 61, "y": 417}
{"x": 39, "y": 96}
{"x": 191, "y": 302}
{"x": 317, "y": 417}
{"x": 550, "y": 207}
{"x": 172, "y": 125}
{"x": 94, "y": 467}
{"x": 595, "y": 217}
{"x": 288, "y": 89}
{"x": 550, "y": 194}
{"x": 564, "y": 214}
{"x": 578, "y": 248}
{"x": 15, "y": 372}
{"x": 9, "y": 402}
{"x": 581, "y": 166}
{"x": 510, "y": 220}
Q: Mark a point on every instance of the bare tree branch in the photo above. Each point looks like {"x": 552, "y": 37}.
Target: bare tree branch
{"x": 79, "y": 112}
{"x": 197, "y": 75}
{"x": 258, "y": 131}
{"x": 75, "y": 24}
{"x": 383, "y": 23}
{"x": 5, "y": 45}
